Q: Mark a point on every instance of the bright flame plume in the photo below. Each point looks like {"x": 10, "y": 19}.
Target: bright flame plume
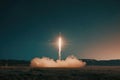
{"x": 59, "y": 47}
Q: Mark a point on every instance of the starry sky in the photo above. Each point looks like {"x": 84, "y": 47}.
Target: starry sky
{"x": 90, "y": 28}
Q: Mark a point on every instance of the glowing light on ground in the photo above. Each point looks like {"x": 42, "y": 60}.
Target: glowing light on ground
{"x": 45, "y": 62}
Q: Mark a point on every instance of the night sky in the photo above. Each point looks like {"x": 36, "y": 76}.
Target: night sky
{"x": 29, "y": 28}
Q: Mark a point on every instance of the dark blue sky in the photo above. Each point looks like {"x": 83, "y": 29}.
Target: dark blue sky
{"x": 28, "y": 28}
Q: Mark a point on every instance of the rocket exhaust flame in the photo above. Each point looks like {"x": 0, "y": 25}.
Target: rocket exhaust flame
{"x": 59, "y": 47}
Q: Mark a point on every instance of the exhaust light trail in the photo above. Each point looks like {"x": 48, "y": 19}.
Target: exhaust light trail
{"x": 59, "y": 46}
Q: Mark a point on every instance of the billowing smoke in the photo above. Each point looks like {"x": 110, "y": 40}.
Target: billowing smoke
{"x": 69, "y": 62}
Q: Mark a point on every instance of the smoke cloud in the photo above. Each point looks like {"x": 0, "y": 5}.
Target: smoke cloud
{"x": 69, "y": 62}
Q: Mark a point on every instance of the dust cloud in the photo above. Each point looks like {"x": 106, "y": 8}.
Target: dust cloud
{"x": 45, "y": 62}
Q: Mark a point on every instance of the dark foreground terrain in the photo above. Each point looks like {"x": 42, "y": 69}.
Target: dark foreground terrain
{"x": 86, "y": 73}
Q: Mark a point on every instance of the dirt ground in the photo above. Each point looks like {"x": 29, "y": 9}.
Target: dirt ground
{"x": 86, "y": 73}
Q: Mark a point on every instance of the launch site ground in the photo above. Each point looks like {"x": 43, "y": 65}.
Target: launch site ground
{"x": 85, "y": 73}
